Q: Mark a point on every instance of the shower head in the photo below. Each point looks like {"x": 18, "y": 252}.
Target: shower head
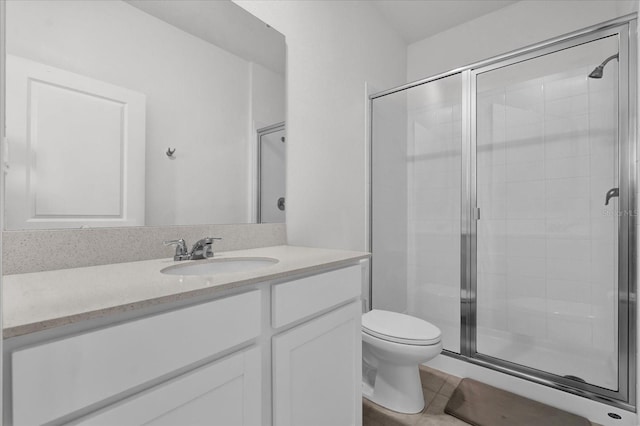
{"x": 598, "y": 71}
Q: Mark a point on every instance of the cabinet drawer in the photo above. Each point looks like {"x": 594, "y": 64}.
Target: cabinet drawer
{"x": 54, "y": 379}
{"x": 297, "y": 299}
{"x": 227, "y": 392}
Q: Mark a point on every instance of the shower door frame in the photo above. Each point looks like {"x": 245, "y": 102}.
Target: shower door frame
{"x": 625, "y": 395}
{"x": 264, "y": 131}
{"x": 625, "y": 27}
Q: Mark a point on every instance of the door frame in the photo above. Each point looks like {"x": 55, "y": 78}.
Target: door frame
{"x": 259, "y": 134}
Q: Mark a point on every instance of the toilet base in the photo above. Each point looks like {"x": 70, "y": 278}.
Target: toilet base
{"x": 397, "y": 388}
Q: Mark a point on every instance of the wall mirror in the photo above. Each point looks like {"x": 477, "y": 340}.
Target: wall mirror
{"x": 141, "y": 113}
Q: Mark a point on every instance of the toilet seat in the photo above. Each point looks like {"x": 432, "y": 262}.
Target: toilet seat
{"x": 400, "y": 328}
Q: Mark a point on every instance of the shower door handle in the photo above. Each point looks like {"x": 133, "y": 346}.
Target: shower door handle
{"x": 613, "y": 192}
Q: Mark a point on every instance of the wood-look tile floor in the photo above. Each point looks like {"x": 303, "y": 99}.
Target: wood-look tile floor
{"x": 437, "y": 387}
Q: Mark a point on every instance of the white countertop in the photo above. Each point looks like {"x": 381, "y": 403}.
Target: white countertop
{"x": 42, "y": 300}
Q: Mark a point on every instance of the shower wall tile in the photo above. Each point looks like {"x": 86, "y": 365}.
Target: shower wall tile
{"x": 568, "y": 228}
{"x": 569, "y": 290}
{"x": 521, "y": 286}
{"x": 434, "y": 217}
{"x": 573, "y": 142}
{"x": 518, "y": 267}
{"x": 530, "y": 171}
{"x": 497, "y": 191}
{"x": 492, "y": 290}
{"x": 603, "y": 227}
{"x": 563, "y": 87}
{"x": 526, "y": 247}
{"x": 568, "y": 167}
{"x": 567, "y": 269}
{"x": 528, "y": 318}
{"x": 568, "y": 207}
{"x": 573, "y": 249}
{"x": 603, "y": 273}
{"x": 558, "y": 270}
{"x": 523, "y": 207}
{"x": 604, "y": 164}
{"x": 526, "y": 227}
{"x": 574, "y": 330}
{"x": 491, "y": 264}
{"x": 525, "y": 143}
{"x": 492, "y": 175}
{"x": 605, "y": 250}
{"x": 566, "y": 106}
{"x": 525, "y": 97}
{"x": 568, "y": 187}
{"x": 493, "y": 227}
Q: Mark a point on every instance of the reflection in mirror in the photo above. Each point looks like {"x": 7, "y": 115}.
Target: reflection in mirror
{"x": 271, "y": 164}
{"x": 138, "y": 112}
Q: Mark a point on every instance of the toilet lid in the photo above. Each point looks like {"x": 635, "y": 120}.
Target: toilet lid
{"x": 400, "y": 328}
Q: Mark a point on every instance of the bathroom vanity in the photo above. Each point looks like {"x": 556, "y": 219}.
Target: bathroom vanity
{"x": 126, "y": 344}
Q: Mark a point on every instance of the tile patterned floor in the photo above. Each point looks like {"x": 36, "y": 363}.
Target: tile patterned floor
{"x": 437, "y": 387}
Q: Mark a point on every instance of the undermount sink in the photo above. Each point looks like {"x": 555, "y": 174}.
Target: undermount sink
{"x": 220, "y": 266}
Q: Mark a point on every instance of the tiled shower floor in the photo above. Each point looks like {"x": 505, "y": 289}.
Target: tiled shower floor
{"x": 437, "y": 387}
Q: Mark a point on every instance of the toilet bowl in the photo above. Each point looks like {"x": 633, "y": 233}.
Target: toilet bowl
{"x": 393, "y": 346}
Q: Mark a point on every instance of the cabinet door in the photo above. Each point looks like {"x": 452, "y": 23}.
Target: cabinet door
{"x": 226, "y": 392}
{"x": 317, "y": 371}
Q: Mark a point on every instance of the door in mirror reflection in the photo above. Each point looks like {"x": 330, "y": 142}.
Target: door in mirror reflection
{"x": 76, "y": 149}
{"x": 272, "y": 164}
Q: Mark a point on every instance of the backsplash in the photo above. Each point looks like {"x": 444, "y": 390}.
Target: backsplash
{"x": 45, "y": 250}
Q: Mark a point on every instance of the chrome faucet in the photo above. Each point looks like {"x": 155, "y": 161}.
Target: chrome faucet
{"x": 202, "y": 249}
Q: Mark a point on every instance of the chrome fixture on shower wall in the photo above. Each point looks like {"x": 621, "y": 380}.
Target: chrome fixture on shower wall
{"x": 597, "y": 72}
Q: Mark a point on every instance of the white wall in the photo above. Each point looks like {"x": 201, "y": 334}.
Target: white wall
{"x": 198, "y": 99}
{"x": 268, "y": 100}
{"x": 513, "y": 27}
{"x": 333, "y": 48}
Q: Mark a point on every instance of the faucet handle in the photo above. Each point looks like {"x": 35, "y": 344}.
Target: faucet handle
{"x": 203, "y": 248}
{"x": 181, "y": 248}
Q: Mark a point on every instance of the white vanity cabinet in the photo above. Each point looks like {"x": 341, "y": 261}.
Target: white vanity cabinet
{"x": 317, "y": 371}
{"x": 317, "y": 364}
{"x": 204, "y": 363}
{"x": 226, "y": 392}
{"x": 65, "y": 378}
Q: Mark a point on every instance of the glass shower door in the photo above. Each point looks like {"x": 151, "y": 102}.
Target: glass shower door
{"x": 416, "y": 203}
{"x": 547, "y": 178}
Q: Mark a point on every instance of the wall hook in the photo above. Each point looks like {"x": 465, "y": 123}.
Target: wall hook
{"x": 170, "y": 152}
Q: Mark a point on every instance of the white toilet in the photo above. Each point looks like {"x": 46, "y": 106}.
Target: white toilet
{"x": 393, "y": 346}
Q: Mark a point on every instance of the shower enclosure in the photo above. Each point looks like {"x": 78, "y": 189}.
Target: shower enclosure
{"x": 503, "y": 210}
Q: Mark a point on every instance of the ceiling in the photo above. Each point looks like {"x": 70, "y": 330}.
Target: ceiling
{"x": 415, "y": 20}
{"x": 218, "y": 21}
{"x": 224, "y": 24}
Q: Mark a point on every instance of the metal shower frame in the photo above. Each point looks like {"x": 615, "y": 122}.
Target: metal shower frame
{"x": 273, "y": 128}
{"x": 625, "y": 28}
